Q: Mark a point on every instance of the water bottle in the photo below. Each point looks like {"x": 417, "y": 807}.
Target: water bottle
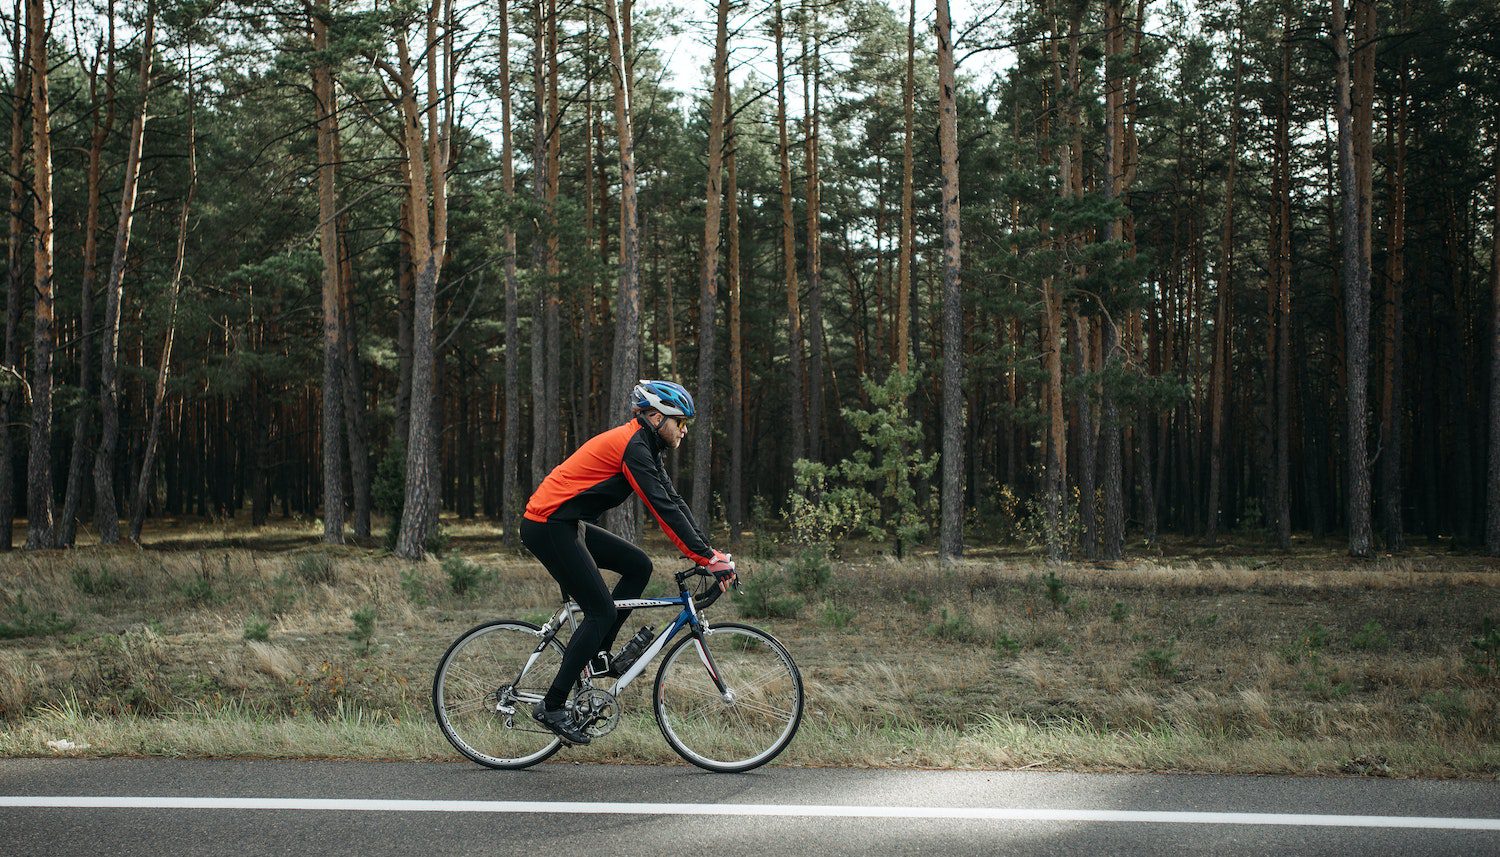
{"x": 633, "y": 648}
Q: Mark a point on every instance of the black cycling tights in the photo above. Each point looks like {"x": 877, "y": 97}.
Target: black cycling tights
{"x": 573, "y": 552}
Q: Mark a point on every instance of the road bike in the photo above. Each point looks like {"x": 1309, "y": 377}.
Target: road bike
{"x": 727, "y": 697}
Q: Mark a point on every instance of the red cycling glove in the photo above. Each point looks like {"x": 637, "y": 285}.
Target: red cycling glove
{"x": 722, "y": 568}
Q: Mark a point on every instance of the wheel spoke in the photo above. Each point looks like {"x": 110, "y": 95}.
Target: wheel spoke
{"x": 467, "y": 706}
{"x": 760, "y": 681}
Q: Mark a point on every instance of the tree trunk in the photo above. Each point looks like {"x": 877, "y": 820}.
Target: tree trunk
{"x": 20, "y": 99}
{"x": 540, "y": 289}
{"x": 797, "y": 392}
{"x": 736, "y": 416}
{"x": 1492, "y": 525}
{"x": 259, "y": 452}
{"x": 405, "y": 295}
{"x": 1112, "y": 543}
{"x": 951, "y": 539}
{"x": 1278, "y": 313}
{"x": 586, "y": 417}
{"x": 355, "y": 420}
{"x": 628, "y": 300}
{"x": 143, "y": 485}
{"x": 811, "y": 79}
{"x": 1391, "y": 407}
{"x": 552, "y": 392}
{"x": 1112, "y": 532}
{"x": 106, "y": 509}
{"x": 904, "y": 258}
{"x": 1219, "y": 386}
{"x": 599, "y": 393}
{"x": 82, "y": 424}
{"x": 1356, "y": 299}
{"x": 1055, "y": 467}
{"x": 1282, "y": 490}
{"x": 1088, "y": 516}
{"x": 333, "y": 339}
{"x": 39, "y": 530}
{"x": 429, "y": 231}
{"x": 510, "y": 489}
{"x": 708, "y": 276}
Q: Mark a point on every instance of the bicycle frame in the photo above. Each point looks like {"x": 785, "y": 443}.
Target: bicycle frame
{"x": 688, "y": 617}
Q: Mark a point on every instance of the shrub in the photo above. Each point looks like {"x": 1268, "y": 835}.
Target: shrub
{"x": 1119, "y": 612}
{"x": 837, "y": 616}
{"x": 316, "y": 568}
{"x": 1486, "y": 648}
{"x": 873, "y": 491}
{"x": 1006, "y": 646}
{"x": 1315, "y": 638}
{"x": 1056, "y": 591}
{"x": 1159, "y": 661}
{"x": 414, "y": 586}
{"x": 957, "y": 628}
{"x": 388, "y": 488}
{"x": 888, "y": 463}
{"x": 1449, "y": 705}
{"x": 388, "y": 493}
{"x": 284, "y": 593}
{"x": 364, "y": 627}
{"x": 822, "y": 511}
{"x": 1037, "y": 527}
{"x": 809, "y": 570}
{"x": 465, "y": 577}
{"x": 133, "y": 672}
{"x": 257, "y": 629}
{"x": 97, "y": 583}
{"x": 1370, "y": 638}
{"x": 437, "y": 541}
{"x": 918, "y": 601}
{"x": 198, "y": 590}
{"x": 761, "y": 596}
{"x": 762, "y": 544}
{"x": 25, "y": 622}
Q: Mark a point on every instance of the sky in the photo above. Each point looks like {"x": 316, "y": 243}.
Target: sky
{"x": 688, "y": 55}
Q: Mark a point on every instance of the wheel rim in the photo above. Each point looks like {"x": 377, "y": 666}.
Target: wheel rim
{"x": 476, "y": 677}
{"x": 749, "y": 728}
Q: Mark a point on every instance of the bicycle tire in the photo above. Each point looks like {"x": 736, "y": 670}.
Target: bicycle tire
{"x": 467, "y": 688}
{"x": 743, "y": 732}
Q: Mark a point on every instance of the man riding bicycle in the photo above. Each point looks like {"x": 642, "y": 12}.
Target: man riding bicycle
{"x": 559, "y": 529}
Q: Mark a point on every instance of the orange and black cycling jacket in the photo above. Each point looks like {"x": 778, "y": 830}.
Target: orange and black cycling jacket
{"x": 604, "y": 471}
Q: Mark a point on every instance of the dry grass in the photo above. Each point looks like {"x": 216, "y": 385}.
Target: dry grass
{"x": 1302, "y": 663}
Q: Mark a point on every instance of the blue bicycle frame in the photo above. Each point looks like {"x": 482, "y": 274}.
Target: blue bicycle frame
{"x": 689, "y": 617}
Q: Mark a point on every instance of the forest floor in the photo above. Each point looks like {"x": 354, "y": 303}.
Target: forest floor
{"x": 223, "y": 641}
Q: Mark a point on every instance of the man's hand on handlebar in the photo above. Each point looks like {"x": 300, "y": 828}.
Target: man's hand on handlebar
{"x": 722, "y": 568}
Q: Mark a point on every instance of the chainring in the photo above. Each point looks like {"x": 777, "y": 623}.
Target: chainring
{"x": 597, "y": 711}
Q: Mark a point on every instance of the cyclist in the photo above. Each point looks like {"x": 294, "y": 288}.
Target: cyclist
{"x": 558, "y": 528}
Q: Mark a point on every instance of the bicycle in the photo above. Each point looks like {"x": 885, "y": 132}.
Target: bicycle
{"x": 732, "y": 708}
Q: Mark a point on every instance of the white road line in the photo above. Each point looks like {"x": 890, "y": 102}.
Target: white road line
{"x": 742, "y": 809}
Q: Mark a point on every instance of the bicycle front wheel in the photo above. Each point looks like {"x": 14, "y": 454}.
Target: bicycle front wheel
{"x": 483, "y": 692}
{"x": 747, "y": 724}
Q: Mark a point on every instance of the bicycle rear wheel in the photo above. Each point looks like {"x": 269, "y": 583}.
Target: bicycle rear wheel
{"x": 483, "y": 701}
{"x": 747, "y": 725}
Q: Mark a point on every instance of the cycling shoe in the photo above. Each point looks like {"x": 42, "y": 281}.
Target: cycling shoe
{"x": 559, "y": 721}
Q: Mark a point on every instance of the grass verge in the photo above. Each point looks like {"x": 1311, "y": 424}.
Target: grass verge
{"x": 1182, "y": 664}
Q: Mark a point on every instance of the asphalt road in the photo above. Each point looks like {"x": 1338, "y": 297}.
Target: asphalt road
{"x": 337, "y": 808}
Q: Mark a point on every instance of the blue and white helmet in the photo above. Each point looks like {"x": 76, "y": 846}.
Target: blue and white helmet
{"x": 665, "y": 397}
